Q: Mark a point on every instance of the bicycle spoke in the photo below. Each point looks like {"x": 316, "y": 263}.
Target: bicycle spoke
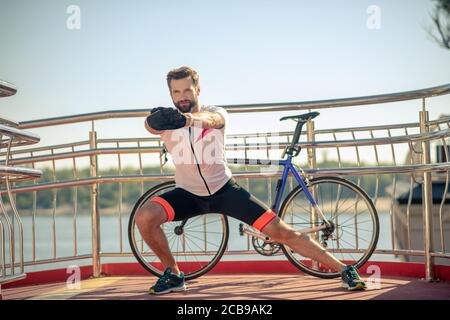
{"x": 213, "y": 244}
{"x": 358, "y": 228}
{"x": 360, "y": 222}
{"x": 352, "y": 215}
{"x": 339, "y": 250}
{"x": 198, "y": 262}
{"x": 353, "y": 258}
{"x": 306, "y": 221}
{"x": 307, "y": 211}
{"x": 205, "y": 223}
{"x": 321, "y": 197}
{"x": 207, "y": 232}
{"x": 341, "y": 204}
{"x": 351, "y": 233}
{"x": 201, "y": 249}
{"x": 201, "y": 227}
{"x": 172, "y": 243}
{"x": 304, "y": 209}
{"x": 348, "y": 207}
{"x": 177, "y": 246}
{"x": 210, "y": 256}
{"x": 299, "y": 217}
{"x": 184, "y": 250}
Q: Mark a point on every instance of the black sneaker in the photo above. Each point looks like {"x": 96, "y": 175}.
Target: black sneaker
{"x": 351, "y": 279}
{"x": 168, "y": 282}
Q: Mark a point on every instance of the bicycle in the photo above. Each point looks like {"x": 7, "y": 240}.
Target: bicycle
{"x": 319, "y": 205}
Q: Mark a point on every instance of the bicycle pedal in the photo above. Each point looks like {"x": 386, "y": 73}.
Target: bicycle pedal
{"x": 241, "y": 229}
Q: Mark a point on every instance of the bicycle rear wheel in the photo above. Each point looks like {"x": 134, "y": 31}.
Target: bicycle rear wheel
{"x": 197, "y": 244}
{"x": 356, "y": 228}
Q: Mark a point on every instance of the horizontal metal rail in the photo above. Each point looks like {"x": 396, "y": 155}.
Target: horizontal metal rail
{"x": 282, "y": 106}
{"x": 347, "y": 143}
{"x": 82, "y": 143}
{"x": 12, "y": 278}
{"x": 7, "y": 89}
{"x": 85, "y": 153}
{"x": 441, "y": 167}
{"x": 20, "y": 137}
{"x": 334, "y": 130}
{"x": 345, "y": 102}
{"x": 249, "y": 146}
{"x": 54, "y": 260}
{"x": 8, "y": 122}
{"x": 415, "y": 253}
{"x": 18, "y": 174}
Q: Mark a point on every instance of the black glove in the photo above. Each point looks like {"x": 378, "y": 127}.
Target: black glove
{"x": 161, "y": 118}
{"x": 156, "y": 109}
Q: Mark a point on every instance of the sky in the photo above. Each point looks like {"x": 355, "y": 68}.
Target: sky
{"x": 245, "y": 52}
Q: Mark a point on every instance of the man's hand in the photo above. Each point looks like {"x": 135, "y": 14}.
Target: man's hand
{"x": 161, "y": 118}
{"x": 152, "y": 111}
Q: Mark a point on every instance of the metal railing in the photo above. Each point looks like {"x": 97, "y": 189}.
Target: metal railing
{"x": 10, "y": 137}
{"x": 415, "y": 138}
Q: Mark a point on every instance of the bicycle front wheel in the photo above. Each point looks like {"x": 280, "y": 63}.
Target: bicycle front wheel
{"x": 197, "y": 244}
{"x": 353, "y": 236}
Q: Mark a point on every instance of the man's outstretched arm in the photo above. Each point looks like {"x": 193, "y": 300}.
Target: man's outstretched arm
{"x": 170, "y": 119}
{"x": 205, "y": 119}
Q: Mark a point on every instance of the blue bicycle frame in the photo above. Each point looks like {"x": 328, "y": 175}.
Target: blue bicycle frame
{"x": 289, "y": 167}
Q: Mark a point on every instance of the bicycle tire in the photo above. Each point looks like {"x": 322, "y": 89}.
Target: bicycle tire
{"x": 373, "y": 213}
{"x": 158, "y": 271}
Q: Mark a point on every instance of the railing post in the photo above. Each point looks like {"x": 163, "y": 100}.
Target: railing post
{"x": 312, "y": 164}
{"x": 311, "y": 151}
{"x": 427, "y": 202}
{"x": 96, "y": 264}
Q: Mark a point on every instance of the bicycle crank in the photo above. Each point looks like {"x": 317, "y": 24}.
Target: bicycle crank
{"x": 265, "y": 247}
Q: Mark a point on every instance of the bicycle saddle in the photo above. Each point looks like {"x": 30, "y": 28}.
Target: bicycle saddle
{"x": 302, "y": 117}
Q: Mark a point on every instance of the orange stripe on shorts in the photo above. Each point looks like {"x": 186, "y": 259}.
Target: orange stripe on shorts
{"x": 167, "y": 207}
{"x": 264, "y": 220}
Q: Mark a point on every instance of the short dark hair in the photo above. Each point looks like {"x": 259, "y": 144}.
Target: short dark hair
{"x": 181, "y": 73}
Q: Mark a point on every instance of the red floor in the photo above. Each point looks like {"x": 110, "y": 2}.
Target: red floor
{"x": 241, "y": 286}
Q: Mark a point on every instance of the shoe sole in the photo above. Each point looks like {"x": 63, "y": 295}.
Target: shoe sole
{"x": 359, "y": 286}
{"x": 176, "y": 289}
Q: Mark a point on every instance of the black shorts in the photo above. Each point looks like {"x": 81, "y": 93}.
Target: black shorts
{"x": 231, "y": 200}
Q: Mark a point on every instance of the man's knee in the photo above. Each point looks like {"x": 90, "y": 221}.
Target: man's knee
{"x": 279, "y": 232}
{"x": 151, "y": 214}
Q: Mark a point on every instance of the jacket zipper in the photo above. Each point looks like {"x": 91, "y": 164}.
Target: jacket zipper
{"x": 196, "y": 161}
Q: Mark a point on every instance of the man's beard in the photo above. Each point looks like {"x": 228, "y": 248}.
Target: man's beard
{"x": 185, "y": 108}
